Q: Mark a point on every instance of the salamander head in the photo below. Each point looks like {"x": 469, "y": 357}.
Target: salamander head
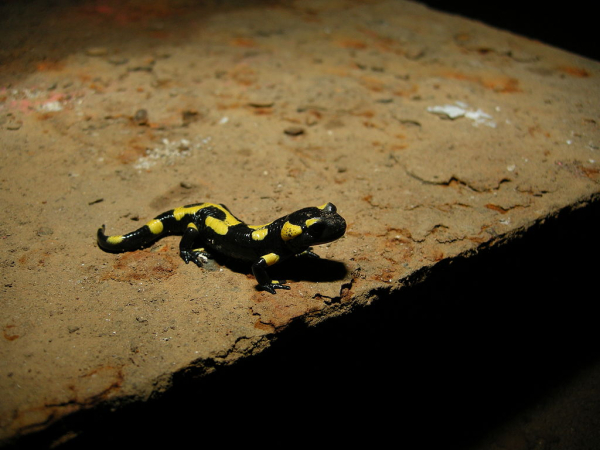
{"x": 312, "y": 226}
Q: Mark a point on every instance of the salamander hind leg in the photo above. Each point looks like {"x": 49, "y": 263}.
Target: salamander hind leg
{"x": 309, "y": 254}
{"x": 199, "y": 256}
{"x": 186, "y": 247}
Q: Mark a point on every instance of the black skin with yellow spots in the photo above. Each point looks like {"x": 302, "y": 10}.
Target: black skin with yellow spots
{"x": 207, "y": 227}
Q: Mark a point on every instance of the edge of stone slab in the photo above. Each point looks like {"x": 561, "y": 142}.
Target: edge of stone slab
{"x": 60, "y": 428}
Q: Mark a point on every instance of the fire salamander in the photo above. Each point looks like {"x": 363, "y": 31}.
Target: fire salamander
{"x": 209, "y": 227}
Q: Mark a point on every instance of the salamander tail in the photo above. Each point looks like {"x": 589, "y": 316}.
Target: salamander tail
{"x": 135, "y": 240}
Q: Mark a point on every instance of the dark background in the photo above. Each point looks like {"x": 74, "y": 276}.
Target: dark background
{"x": 572, "y": 26}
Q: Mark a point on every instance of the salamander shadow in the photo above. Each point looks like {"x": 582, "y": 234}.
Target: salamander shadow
{"x": 300, "y": 268}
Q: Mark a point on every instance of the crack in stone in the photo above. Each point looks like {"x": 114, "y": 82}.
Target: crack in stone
{"x": 456, "y": 180}
{"x": 502, "y": 209}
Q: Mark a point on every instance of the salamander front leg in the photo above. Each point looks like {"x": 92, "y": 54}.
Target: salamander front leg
{"x": 186, "y": 246}
{"x": 259, "y": 269}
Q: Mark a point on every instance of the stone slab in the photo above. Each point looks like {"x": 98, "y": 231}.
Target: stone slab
{"x": 434, "y": 135}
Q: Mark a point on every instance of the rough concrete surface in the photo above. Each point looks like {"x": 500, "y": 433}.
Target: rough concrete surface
{"x": 434, "y": 135}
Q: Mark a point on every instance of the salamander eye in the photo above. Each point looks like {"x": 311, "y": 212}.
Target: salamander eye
{"x": 331, "y": 208}
{"x": 328, "y": 207}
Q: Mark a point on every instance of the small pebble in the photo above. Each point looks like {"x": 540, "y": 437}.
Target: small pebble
{"x": 146, "y": 68}
{"x": 13, "y": 126}
{"x": 141, "y": 117}
{"x": 188, "y": 117}
{"x": 45, "y": 231}
{"x": 294, "y": 131}
{"x": 261, "y": 103}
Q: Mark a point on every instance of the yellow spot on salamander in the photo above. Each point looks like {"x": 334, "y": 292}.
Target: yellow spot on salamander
{"x": 256, "y": 227}
{"x": 114, "y": 240}
{"x": 259, "y": 235}
{"x": 192, "y": 225}
{"x": 271, "y": 258}
{"x": 310, "y": 222}
{"x": 218, "y": 226}
{"x": 156, "y": 226}
{"x": 181, "y": 212}
{"x": 290, "y": 231}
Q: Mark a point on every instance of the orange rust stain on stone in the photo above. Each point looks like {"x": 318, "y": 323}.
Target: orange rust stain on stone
{"x": 97, "y": 384}
{"x": 276, "y": 313}
{"x": 142, "y": 265}
{"x": 264, "y": 326}
{"x": 44, "y": 116}
{"x": 386, "y": 275}
{"x": 131, "y": 153}
{"x": 226, "y": 106}
{"x": 8, "y": 334}
{"x": 574, "y": 71}
{"x": 50, "y": 66}
{"x": 477, "y": 239}
{"x": 366, "y": 113}
{"x": 372, "y": 83}
{"x": 406, "y": 92}
{"x": 462, "y": 37}
{"x": 262, "y": 111}
{"x": 396, "y": 236}
{"x": 352, "y": 43}
{"x": 243, "y": 42}
{"x": 537, "y": 129}
{"x": 495, "y": 83}
{"x": 84, "y": 77}
{"x": 435, "y": 255}
{"x": 346, "y": 294}
{"x": 496, "y": 208}
{"x": 244, "y": 75}
{"x": 383, "y": 43}
{"x": 501, "y": 84}
{"x": 590, "y": 172}
{"x": 579, "y": 170}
